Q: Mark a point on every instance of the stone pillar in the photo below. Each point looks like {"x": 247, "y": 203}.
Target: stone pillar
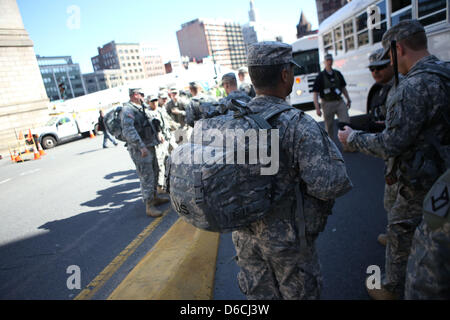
{"x": 23, "y": 99}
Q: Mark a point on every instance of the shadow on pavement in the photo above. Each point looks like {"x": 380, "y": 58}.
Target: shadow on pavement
{"x": 35, "y": 267}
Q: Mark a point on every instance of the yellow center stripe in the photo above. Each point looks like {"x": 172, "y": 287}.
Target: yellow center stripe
{"x": 108, "y": 272}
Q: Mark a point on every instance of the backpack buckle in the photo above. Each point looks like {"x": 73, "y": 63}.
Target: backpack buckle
{"x": 198, "y": 187}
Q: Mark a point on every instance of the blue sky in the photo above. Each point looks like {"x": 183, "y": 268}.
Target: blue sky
{"x": 55, "y": 28}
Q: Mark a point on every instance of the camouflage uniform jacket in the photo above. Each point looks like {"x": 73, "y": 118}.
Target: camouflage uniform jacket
{"x": 132, "y": 119}
{"x": 418, "y": 105}
{"x": 306, "y": 154}
{"x": 181, "y": 106}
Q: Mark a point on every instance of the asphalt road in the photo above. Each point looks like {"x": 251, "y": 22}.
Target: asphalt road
{"x": 80, "y": 206}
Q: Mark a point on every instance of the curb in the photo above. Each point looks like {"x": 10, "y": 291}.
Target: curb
{"x": 181, "y": 266}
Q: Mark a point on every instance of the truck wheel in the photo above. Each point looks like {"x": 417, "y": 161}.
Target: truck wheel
{"x": 48, "y": 142}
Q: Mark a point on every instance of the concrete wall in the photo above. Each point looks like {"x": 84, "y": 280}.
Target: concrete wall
{"x": 23, "y": 99}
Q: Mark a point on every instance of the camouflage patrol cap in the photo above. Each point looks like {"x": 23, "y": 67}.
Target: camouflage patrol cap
{"x": 243, "y": 70}
{"x": 228, "y": 77}
{"x": 399, "y": 32}
{"x": 135, "y": 90}
{"x": 163, "y": 95}
{"x": 376, "y": 58}
{"x": 152, "y": 97}
{"x": 173, "y": 90}
{"x": 269, "y": 53}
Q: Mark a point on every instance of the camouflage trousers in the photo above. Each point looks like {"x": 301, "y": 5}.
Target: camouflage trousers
{"x": 272, "y": 266}
{"x": 428, "y": 270}
{"x": 162, "y": 152}
{"x": 404, "y": 213}
{"x": 147, "y": 171}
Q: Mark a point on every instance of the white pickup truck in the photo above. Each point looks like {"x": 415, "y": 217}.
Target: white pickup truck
{"x": 62, "y": 127}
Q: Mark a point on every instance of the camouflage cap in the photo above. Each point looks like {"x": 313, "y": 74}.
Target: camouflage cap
{"x": 135, "y": 90}
{"x": 243, "y": 70}
{"x": 228, "y": 77}
{"x": 194, "y": 84}
{"x": 399, "y": 32}
{"x": 152, "y": 97}
{"x": 173, "y": 90}
{"x": 269, "y": 53}
{"x": 163, "y": 95}
{"x": 376, "y": 59}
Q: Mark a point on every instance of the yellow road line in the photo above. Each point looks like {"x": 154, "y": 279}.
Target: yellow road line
{"x": 108, "y": 272}
{"x": 180, "y": 266}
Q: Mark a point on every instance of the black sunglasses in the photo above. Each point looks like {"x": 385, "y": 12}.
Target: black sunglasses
{"x": 372, "y": 69}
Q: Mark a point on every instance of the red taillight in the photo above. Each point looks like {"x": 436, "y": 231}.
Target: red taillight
{"x": 297, "y": 80}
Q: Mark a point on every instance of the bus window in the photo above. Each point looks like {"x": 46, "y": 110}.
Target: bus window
{"x": 399, "y": 4}
{"x": 380, "y": 28}
{"x": 361, "y": 28}
{"x": 327, "y": 42}
{"x": 404, "y": 15}
{"x": 309, "y": 60}
{"x": 401, "y": 10}
{"x": 431, "y": 11}
{"x": 348, "y": 34}
{"x": 338, "y": 40}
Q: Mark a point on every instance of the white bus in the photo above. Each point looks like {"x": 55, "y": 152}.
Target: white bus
{"x": 306, "y": 54}
{"x": 348, "y": 36}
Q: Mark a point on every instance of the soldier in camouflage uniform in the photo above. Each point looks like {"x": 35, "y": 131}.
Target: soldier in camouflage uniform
{"x": 245, "y": 86}
{"x": 428, "y": 270}
{"x": 176, "y": 108}
{"x": 142, "y": 137}
{"x": 383, "y": 74}
{"x": 229, "y": 83}
{"x": 416, "y": 111}
{"x": 277, "y": 257}
{"x": 162, "y": 149}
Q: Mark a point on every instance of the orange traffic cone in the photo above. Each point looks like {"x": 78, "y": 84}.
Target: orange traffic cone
{"x": 18, "y": 158}
{"x": 26, "y": 150}
{"x": 91, "y": 134}
{"x": 41, "y": 151}
{"x": 36, "y": 154}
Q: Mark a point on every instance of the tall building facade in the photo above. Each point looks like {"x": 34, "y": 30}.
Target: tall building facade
{"x": 23, "y": 99}
{"x": 222, "y": 40}
{"x": 102, "y": 79}
{"x": 130, "y": 59}
{"x": 326, "y": 8}
{"x": 152, "y": 60}
{"x": 62, "y": 78}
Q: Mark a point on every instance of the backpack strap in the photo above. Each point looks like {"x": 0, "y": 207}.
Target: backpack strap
{"x": 262, "y": 119}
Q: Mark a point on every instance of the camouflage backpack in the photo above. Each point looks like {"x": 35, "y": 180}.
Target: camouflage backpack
{"x": 218, "y": 194}
{"x": 113, "y": 124}
{"x": 198, "y": 108}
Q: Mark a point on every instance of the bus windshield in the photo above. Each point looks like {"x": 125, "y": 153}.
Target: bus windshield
{"x": 309, "y": 60}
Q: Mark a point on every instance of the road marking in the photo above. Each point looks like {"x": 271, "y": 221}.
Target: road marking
{"x": 9, "y": 179}
{"x": 29, "y": 172}
{"x": 109, "y": 271}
